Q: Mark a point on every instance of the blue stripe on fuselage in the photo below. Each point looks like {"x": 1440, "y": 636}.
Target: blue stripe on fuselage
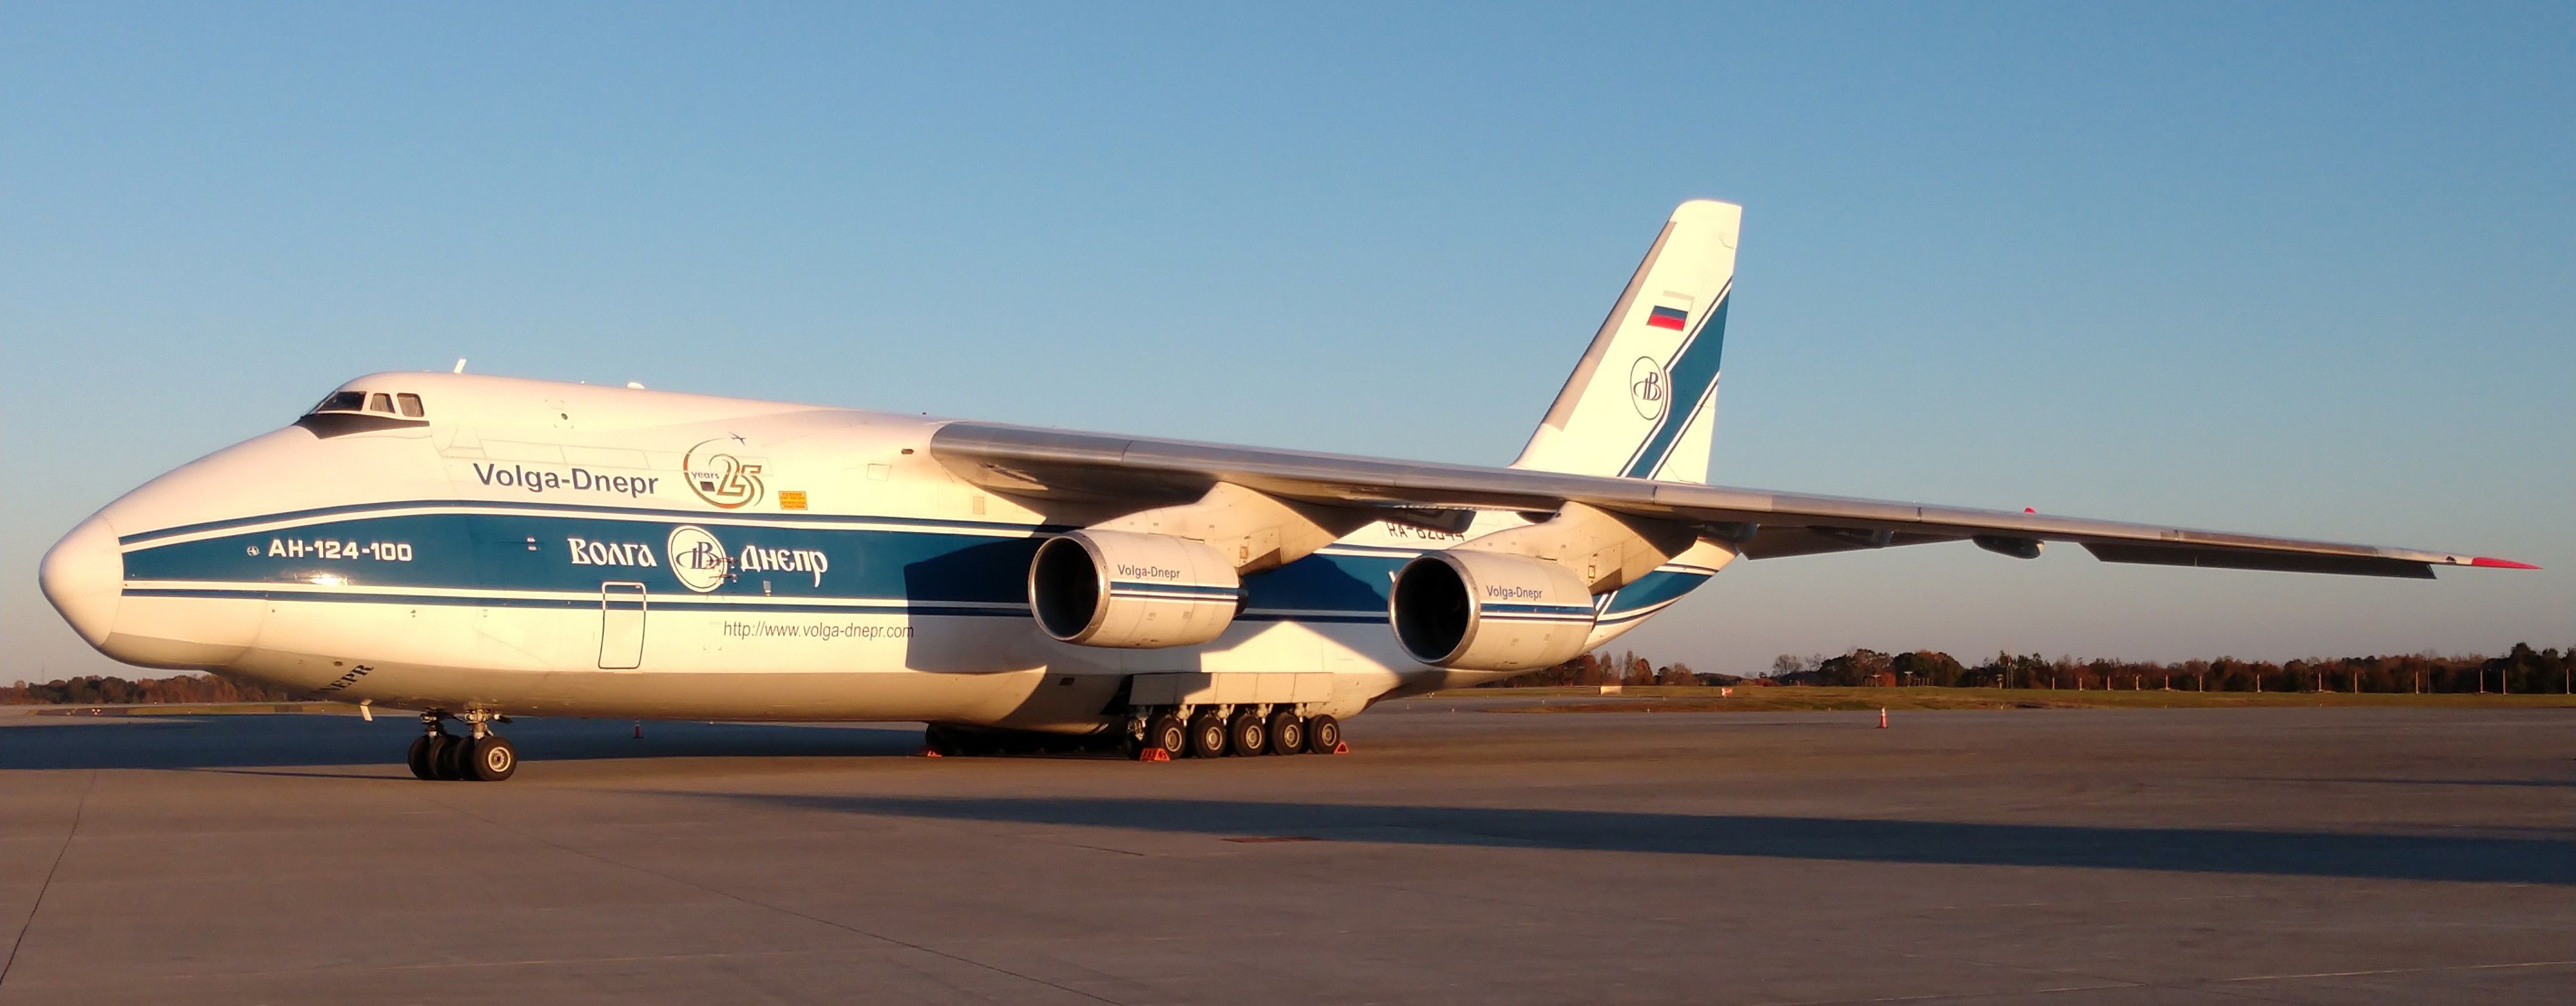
{"x": 930, "y": 564}
{"x": 490, "y": 555}
{"x": 1654, "y": 588}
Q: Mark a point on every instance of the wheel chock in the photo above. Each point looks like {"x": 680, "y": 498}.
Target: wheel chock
{"x": 926, "y": 752}
{"x": 1341, "y": 747}
{"x": 1153, "y": 754}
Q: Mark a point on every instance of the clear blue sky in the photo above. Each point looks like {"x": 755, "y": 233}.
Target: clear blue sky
{"x": 2305, "y": 269}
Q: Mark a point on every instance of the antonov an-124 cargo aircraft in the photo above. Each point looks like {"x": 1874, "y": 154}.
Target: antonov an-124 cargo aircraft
{"x": 481, "y": 547}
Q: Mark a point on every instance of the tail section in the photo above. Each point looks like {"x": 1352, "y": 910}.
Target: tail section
{"x": 1644, "y": 398}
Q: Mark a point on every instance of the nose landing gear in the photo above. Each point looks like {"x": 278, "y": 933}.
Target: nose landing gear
{"x": 482, "y": 756}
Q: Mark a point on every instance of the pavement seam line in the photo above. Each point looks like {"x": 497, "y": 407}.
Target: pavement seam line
{"x": 78, "y": 810}
{"x": 595, "y": 857}
{"x": 191, "y": 976}
{"x": 2400, "y": 971}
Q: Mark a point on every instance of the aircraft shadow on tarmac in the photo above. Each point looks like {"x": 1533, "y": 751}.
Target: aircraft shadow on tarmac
{"x": 247, "y": 743}
{"x": 2194, "y": 850}
{"x": 314, "y": 741}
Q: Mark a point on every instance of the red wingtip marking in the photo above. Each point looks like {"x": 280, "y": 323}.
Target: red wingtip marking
{"x": 2500, "y": 563}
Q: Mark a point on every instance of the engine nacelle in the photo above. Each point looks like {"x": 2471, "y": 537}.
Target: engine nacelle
{"x": 1132, "y": 591}
{"x": 1489, "y": 611}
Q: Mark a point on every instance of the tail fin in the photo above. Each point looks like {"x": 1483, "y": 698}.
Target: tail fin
{"x": 1643, "y": 399}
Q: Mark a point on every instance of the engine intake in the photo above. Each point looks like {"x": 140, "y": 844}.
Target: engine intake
{"x": 1131, "y": 591}
{"x": 1489, "y": 611}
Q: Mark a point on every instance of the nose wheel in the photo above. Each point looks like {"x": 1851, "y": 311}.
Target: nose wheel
{"x": 483, "y": 756}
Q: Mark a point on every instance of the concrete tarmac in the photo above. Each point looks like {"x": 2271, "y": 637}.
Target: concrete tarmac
{"x": 1458, "y": 855}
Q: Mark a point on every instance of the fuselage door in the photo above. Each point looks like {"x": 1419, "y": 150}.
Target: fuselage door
{"x": 621, "y": 626}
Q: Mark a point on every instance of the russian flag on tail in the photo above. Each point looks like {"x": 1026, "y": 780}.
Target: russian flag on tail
{"x": 1667, "y": 317}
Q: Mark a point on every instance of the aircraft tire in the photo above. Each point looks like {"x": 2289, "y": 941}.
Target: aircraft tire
{"x": 1166, "y": 732}
{"x": 1323, "y": 734}
{"x": 1246, "y": 735}
{"x": 1287, "y": 733}
{"x": 490, "y": 758}
{"x": 419, "y": 759}
{"x": 447, "y": 757}
{"x": 1207, "y": 736}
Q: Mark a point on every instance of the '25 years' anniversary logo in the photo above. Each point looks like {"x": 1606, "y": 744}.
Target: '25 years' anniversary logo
{"x": 725, "y": 481}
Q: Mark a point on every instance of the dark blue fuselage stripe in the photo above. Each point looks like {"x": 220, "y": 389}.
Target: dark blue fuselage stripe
{"x": 652, "y": 602}
{"x": 501, "y": 558}
{"x": 663, "y": 603}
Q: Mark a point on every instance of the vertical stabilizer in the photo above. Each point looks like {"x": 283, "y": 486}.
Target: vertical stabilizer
{"x": 1643, "y": 398}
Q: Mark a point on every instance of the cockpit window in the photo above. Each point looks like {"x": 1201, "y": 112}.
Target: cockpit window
{"x": 346, "y": 412}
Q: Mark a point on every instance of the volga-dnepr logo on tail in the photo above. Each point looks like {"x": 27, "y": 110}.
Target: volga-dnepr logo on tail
{"x": 1646, "y": 387}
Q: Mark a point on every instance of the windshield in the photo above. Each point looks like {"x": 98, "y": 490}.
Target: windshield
{"x": 343, "y": 401}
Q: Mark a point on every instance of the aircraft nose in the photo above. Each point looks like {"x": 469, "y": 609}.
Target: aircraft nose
{"x": 84, "y": 575}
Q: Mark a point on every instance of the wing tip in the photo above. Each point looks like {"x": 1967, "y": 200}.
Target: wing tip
{"x": 2493, "y": 563}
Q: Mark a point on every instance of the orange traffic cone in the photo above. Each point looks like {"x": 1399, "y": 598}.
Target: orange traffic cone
{"x": 1882, "y": 717}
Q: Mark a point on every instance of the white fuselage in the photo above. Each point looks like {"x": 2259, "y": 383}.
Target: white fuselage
{"x": 544, "y": 548}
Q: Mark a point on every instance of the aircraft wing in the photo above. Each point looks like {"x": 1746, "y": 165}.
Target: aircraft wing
{"x": 1760, "y": 524}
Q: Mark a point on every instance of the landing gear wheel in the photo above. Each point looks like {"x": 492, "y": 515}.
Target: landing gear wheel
{"x": 1246, "y": 735}
{"x": 432, "y": 750}
{"x": 1323, "y": 734}
{"x": 490, "y": 758}
{"x": 422, "y": 767}
{"x": 1167, "y": 733}
{"x": 1287, "y": 733}
{"x": 451, "y": 759}
{"x": 1207, "y": 736}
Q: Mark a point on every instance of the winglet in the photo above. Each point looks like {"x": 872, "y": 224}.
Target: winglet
{"x": 2500, "y": 563}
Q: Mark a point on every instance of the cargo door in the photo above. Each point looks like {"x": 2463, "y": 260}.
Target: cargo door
{"x": 621, "y": 626}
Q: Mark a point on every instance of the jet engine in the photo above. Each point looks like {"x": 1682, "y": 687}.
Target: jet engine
{"x": 1132, "y": 591}
{"x": 1481, "y": 610}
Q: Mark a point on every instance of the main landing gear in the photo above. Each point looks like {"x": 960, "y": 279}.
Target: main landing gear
{"x": 482, "y": 756}
{"x": 1159, "y": 733}
{"x": 1213, "y": 732}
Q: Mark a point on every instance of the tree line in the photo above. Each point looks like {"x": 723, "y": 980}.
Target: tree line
{"x": 1625, "y": 669}
{"x": 111, "y": 691}
{"x": 2522, "y": 670}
